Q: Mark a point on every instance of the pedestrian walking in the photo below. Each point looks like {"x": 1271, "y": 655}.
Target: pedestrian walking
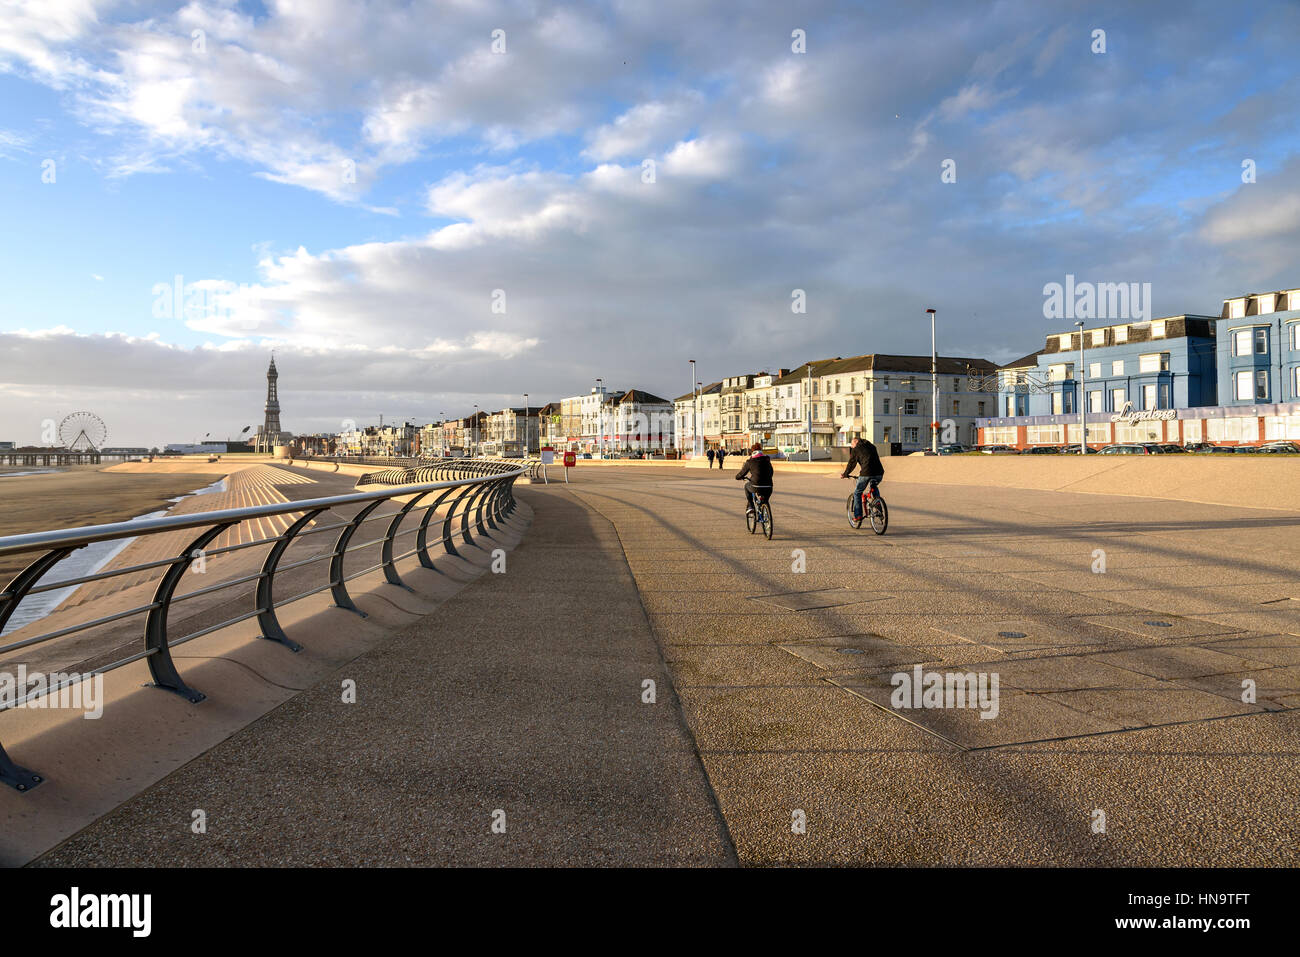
{"x": 709, "y": 453}
{"x": 722, "y": 455}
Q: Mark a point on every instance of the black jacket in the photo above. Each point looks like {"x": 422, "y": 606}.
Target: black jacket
{"x": 758, "y": 469}
{"x": 866, "y": 458}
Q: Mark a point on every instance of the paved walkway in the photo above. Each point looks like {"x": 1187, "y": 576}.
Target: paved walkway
{"x": 1122, "y": 630}
{"x": 522, "y": 693}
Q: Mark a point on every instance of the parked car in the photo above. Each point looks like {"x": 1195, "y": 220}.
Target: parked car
{"x": 1244, "y": 449}
{"x": 1074, "y": 450}
{"x": 953, "y": 448}
{"x": 1169, "y": 447}
{"x": 1043, "y": 450}
{"x": 999, "y": 450}
{"x": 1279, "y": 448}
{"x": 1126, "y": 450}
{"x": 1203, "y": 447}
{"x": 1155, "y": 448}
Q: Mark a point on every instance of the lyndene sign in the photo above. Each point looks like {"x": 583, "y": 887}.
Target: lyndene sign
{"x": 1130, "y": 414}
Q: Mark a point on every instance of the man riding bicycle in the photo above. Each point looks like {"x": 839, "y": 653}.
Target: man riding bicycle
{"x": 758, "y": 469}
{"x": 864, "y": 455}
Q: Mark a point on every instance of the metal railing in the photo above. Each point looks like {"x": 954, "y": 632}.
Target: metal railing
{"x": 478, "y": 502}
{"x": 431, "y": 470}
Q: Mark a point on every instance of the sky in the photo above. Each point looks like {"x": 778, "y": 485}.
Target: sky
{"x": 424, "y": 206}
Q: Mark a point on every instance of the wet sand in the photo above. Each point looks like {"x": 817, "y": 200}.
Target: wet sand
{"x": 86, "y": 495}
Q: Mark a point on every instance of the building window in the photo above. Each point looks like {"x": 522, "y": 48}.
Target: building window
{"x": 886, "y": 407}
{"x": 1060, "y": 372}
{"x": 1295, "y": 382}
{"x": 1094, "y": 370}
{"x": 1261, "y": 384}
{"x": 1154, "y": 362}
{"x": 1236, "y": 308}
{"x": 1164, "y": 395}
{"x": 1117, "y": 367}
{"x": 1058, "y": 403}
{"x": 981, "y": 405}
{"x": 1095, "y": 401}
{"x": 1261, "y": 342}
{"x": 956, "y": 385}
{"x": 911, "y": 435}
{"x": 1158, "y": 329}
{"x": 1121, "y": 333}
{"x": 1099, "y": 337}
{"x": 1117, "y": 399}
{"x": 1244, "y": 389}
{"x": 909, "y": 407}
{"x": 956, "y": 407}
{"x": 838, "y": 383}
{"x": 1295, "y": 335}
{"x": 1063, "y": 342}
{"x": 884, "y": 382}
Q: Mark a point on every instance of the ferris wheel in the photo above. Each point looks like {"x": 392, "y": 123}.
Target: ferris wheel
{"x": 82, "y": 432}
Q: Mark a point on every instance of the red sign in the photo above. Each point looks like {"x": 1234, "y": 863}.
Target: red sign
{"x": 570, "y": 459}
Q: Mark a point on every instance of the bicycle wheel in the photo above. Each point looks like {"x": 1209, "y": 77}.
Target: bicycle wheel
{"x": 751, "y": 519}
{"x": 853, "y": 522}
{"x": 879, "y": 516}
{"x": 766, "y": 518}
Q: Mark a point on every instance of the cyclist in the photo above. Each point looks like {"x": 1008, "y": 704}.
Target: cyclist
{"x": 864, "y": 455}
{"x": 758, "y": 470}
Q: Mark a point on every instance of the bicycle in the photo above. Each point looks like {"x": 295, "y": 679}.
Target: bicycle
{"x": 873, "y": 507}
{"x": 759, "y": 515}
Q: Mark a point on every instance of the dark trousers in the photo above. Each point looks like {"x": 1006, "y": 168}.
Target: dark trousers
{"x": 764, "y": 493}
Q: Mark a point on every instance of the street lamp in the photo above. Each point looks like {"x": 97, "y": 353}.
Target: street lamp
{"x": 934, "y": 397}
{"x": 695, "y": 412}
{"x": 1083, "y": 395}
{"x": 526, "y": 442}
{"x": 808, "y": 389}
{"x": 600, "y": 416}
{"x": 473, "y": 442}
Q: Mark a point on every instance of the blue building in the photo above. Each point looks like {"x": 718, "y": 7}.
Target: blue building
{"x": 1165, "y": 363}
{"x": 1258, "y": 349}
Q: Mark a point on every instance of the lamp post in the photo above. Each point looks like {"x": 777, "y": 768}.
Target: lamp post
{"x": 526, "y": 442}
{"x": 695, "y": 413}
{"x": 600, "y": 416}
{"x": 808, "y": 389}
{"x": 1083, "y": 395}
{"x": 934, "y": 395}
{"x": 473, "y": 442}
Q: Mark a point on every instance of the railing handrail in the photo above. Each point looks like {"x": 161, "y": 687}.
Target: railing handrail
{"x": 85, "y": 535}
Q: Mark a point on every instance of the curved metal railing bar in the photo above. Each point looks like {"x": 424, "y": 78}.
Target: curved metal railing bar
{"x": 482, "y": 498}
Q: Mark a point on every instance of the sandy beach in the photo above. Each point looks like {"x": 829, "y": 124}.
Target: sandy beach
{"x": 86, "y": 495}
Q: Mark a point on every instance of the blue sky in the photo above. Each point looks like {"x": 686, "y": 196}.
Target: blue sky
{"x": 229, "y": 160}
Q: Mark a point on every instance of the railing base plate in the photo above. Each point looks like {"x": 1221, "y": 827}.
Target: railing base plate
{"x": 185, "y": 691}
{"x": 287, "y": 642}
{"x": 17, "y": 777}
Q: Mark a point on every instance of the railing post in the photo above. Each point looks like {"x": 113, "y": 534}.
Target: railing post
{"x": 421, "y": 537}
{"x": 465, "y": 536}
{"x": 386, "y": 558}
{"x": 266, "y": 616}
{"x": 482, "y": 499}
{"x": 490, "y": 502}
{"x": 338, "y": 588}
{"x": 26, "y": 580}
{"x": 161, "y": 666}
{"x": 447, "y": 543}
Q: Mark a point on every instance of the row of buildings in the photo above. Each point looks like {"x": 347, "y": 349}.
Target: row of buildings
{"x": 825, "y": 403}
{"x": 1231, "y": 379}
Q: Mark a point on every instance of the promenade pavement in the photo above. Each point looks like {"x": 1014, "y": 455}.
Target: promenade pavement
{"x": 1146, "y": 650}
